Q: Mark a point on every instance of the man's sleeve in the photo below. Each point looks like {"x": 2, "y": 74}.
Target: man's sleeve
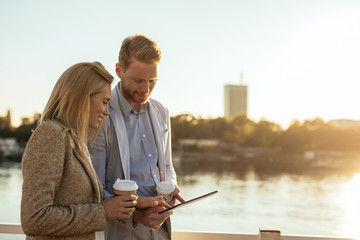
{"x": 99, "y": 152}
{"x": 170, "y": 171}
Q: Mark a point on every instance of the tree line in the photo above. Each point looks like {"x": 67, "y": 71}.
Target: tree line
{"x": 21, "y": 133}
{"x": 241, "y": 131}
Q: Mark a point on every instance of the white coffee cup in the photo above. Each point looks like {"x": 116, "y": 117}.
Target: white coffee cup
{"x": 165, "y": 188}
{"x": 125, "y": 187}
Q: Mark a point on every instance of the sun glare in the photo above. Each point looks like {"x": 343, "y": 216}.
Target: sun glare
{"x": 351, "y": 200}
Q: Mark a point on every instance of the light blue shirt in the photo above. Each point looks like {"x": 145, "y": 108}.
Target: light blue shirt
{"x": 144, "y": 168}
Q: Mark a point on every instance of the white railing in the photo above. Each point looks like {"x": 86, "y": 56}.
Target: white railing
{"x": 8, "y": 228}
{"x": 264, "y": 234}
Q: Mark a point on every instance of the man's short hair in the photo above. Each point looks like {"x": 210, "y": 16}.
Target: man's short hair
{"x": 139, "y": 47}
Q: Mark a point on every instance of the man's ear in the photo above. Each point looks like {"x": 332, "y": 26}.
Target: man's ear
{"x": 118, "y": 70}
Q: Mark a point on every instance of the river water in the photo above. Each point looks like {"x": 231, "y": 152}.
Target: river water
{"x": 315, "y": 203}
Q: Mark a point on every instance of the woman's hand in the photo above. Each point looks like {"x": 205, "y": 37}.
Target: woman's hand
{"x": 119, "y": 207}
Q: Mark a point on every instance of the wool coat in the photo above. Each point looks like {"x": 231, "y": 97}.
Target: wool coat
{"x": 60, "y": 196}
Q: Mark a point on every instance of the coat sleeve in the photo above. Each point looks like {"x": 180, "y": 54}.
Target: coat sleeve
{"x": 170, "y": 171}
{"x": 42, "y": 166}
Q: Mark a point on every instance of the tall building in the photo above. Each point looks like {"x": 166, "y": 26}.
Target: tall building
{"x": 6, "y": 120}
{"x": 235, "y": 99}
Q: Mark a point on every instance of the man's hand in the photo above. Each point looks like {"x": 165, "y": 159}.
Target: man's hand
{"x": 157, "y": 201}
{"x": 151, "y": 218}
{"x": 175, "y": 196}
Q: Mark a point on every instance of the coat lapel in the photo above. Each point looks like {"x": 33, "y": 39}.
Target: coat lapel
{"x": 121, "y": 134}
{"x": 159, "y": 129}
{"x": 87, "y": 166}
{"x": 90, "y": 171}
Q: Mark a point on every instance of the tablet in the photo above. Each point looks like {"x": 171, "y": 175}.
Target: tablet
{"x": 190, "y": 201}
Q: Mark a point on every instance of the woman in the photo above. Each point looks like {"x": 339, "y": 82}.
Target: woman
{"x": 62, "y": 197}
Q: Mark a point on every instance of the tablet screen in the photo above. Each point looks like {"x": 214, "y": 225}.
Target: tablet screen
{"x": 190, "y": 201}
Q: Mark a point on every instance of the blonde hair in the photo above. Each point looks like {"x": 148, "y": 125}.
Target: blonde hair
{"x": 139, "y": 47}
{"x": 69, "y": 102}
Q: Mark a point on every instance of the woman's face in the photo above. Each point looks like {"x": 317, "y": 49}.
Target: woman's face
{"x": 99, "y": 107}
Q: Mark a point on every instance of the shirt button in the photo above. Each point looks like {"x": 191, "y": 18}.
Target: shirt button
{"x": 144, "y": 135}
{"x": 149, "y": 154}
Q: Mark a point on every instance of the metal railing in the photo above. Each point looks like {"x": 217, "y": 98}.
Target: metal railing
{"x": 264, "y": 234}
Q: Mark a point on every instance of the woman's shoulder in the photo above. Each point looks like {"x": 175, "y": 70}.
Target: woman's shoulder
{"x": 50, "y": 129}
{"x": 47, "y": 137}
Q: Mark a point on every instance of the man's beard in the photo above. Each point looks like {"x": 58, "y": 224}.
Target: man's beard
{"x": 132, "y": 96}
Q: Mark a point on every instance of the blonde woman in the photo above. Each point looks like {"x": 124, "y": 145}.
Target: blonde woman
{"x": 62, "y": 195}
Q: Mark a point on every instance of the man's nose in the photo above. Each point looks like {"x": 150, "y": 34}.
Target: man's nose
{"x": 145, "y": 87}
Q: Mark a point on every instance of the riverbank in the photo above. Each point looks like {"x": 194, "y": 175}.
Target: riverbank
{"x": 267, "y": 161}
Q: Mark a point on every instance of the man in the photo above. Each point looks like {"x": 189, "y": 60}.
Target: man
{"x": 136, "y": 144}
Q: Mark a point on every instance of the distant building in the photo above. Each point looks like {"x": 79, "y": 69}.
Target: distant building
{"x": 345, "y": 123}
{"x": 235, "y": 99}
{"x": 200, "y": 143}
{"x": 25, "y": 121}
{"x": 5, "y": 121}
{"x": 9, "y": 148}
{"x": 30, "y": 120}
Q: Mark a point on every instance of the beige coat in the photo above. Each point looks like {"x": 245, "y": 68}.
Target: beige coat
{"x": 59, "y": 196}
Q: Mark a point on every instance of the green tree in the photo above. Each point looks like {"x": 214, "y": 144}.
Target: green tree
{"x": 265, "y": 134}
{"x": 240, "y": 128}
{"x": 293, "y": 139}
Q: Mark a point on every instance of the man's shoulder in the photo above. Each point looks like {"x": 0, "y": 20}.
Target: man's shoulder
{"x": 160, "y": 110}
{"x": 157, "y": 105}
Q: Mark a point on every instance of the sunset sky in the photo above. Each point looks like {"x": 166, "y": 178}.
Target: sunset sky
{"x": 300, "y": 59}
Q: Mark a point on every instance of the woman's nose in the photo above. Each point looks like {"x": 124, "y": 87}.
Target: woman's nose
{"x": 106, "y": 112}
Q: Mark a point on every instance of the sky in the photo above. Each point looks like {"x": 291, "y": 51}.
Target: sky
{"x": 300, "y": 59}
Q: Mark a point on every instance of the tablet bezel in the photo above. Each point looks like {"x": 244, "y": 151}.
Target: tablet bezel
{"x": 190, "y": 201}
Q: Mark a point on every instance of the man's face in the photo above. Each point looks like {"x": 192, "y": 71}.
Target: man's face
{"x": 137, "y": 82}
